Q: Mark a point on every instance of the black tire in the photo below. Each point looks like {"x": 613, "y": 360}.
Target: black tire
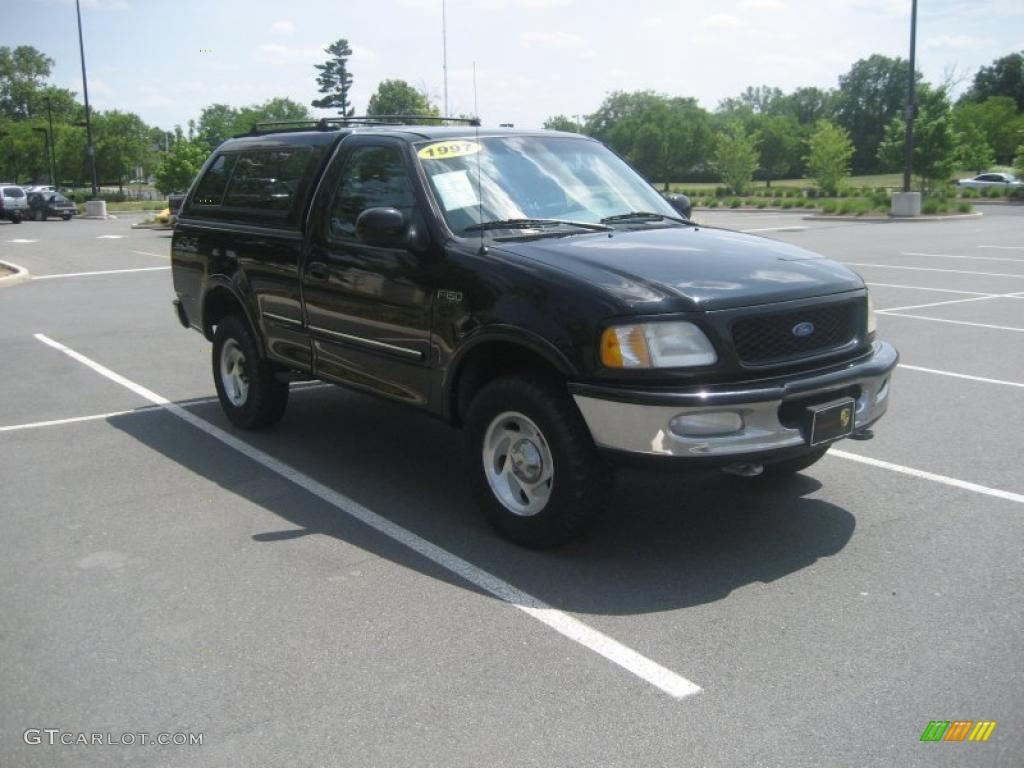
{"x": 792, "y": 466}
{"x": 66, "y": 218}
{"x": 15, "y": 218}
{"x": 40, "y": 215}
{"x": 576, "y": 494}
{"x": 264, "y": 398}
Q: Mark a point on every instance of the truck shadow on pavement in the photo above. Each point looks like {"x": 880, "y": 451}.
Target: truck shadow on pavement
{"x": 668, "y": 543}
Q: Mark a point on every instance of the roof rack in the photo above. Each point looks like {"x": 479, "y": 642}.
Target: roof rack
{"x": 333, "y": 123}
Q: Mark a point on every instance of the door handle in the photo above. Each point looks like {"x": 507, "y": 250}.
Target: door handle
{"x": 317, "y": 270}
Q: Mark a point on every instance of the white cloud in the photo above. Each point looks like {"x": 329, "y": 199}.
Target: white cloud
{"x": 553, "y": 39}
{"x": 722, "y": 20}
{"x": 958, "y": 42}
{"x": 654, "y": 21}
{"x": 293, "y": 53}
{"x": 283, "y": 27}
{"x": 752, "y": 5}
{"x": 493, "y": 5}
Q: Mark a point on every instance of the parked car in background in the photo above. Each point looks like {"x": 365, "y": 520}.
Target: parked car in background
{"x": 43, "y": 205}
{"x": 991, "y": 180}
{"x": 13, "y": 204}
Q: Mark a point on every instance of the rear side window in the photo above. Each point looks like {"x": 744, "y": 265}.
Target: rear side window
{"x": 267, "y": 180}
{"x": 211, "y": 187}
{"x": 14, "y": 192}
{"x": 373, "y": 177}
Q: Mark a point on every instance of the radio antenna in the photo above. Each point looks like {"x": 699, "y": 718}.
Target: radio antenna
{"x": 476, "y": 108}
{"x": 444, "y": 50}
{"x": 479, "y": 191}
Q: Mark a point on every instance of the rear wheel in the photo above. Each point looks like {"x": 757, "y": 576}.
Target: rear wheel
{"x": 40, "y": 215}
{"x": 66, "y": 217}
{"x": 536, "y": 473}
{"x": 249, "y": 392}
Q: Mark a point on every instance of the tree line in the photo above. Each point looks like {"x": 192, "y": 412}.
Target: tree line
{"x": 857, "y": 127}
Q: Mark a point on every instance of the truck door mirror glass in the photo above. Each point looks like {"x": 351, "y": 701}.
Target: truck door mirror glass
{"x": 383, "y": 228}
{"x": 681, "y": 203}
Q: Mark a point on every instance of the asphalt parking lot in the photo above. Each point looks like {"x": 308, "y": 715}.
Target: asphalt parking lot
{"x": 325, "y": 593}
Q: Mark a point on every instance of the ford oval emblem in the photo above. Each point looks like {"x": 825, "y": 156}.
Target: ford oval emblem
{"x": 803, "y": 329}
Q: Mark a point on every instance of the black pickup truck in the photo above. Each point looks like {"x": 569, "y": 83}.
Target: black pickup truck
{"x": 531, "y": 288}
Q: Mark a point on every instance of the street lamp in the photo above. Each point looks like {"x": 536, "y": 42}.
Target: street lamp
{"x": 53, "y": 143}
{"x": 46, "y": 147}
{"x": 90, "y": 150}
{"x": 907, "y": 203}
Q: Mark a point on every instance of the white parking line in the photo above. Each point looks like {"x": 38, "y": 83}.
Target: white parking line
{"x": 935, "y": 290}
{"x": 100, "y": 272}
{"x": 951, "y": 256}
{"x": 109, "y": 237}
{"x": 941, "y": 303}
{"x": 931, "y": 269}
{"x": 22, "y": 241}
{"x": 157, "y": 255}
{"x": 955, "y": 322}
{"x": 660, "y": 677}
{"x": 962, "y": 376}
{"x": 1004, "y": 247}
{"x": 920, "y": 473}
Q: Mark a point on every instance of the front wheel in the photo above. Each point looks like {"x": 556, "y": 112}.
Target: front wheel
{"x": 536, "y": 473}
{"x": 66, "y": 217}
{"x": 249, "y": 392}
{"x": 40, "y": 216}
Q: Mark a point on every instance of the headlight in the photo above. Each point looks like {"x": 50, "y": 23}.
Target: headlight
{"x": 871, "y": 315}
{"x": 656, "y": 345}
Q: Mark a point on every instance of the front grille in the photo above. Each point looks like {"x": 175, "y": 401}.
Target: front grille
{"x": 763, "y": 339}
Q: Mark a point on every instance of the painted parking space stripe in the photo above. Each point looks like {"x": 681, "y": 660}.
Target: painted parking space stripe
{"x": 99, "y": 272}
{"x": 952, "y": 256}
{"x": 156, "y": 255}
{"x": 941, "y": 303}
{"x": 933, "y": 477}
{"x": 1004, "y": 247}
{"x": 297, "y": 387}
{"x": 890, "y": 313}
{"x": 962, "y": 375}
{"x": 625, "y": 657}
{"x": 935, "y": 290}
{"x": 932, "y": 269}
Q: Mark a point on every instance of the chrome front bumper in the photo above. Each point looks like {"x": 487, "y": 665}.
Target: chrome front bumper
{"x": 641, "y": 422}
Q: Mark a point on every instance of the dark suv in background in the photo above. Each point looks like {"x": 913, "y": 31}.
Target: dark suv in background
{"x": 531, "y": 288}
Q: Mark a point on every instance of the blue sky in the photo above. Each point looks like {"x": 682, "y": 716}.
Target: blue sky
{"x": 534, "y": 58}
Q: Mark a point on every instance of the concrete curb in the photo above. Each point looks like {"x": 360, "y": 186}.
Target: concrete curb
{"x": 894, "y": 219}
{"x": 20, "y": 275}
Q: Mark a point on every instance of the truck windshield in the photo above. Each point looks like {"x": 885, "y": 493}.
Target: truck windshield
{"x": 523, "y": 178}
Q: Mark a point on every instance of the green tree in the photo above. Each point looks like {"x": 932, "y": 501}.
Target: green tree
{"x": 973, "y": 152}
{"x": 23, "y": 152}
{"x": 1005, "y": 77}
{"x": 998, "y": 120}
{"x": 736, "y": 157}
{"x": 664, "y": 138}
{"x": 870, "y": 95}
{"x": 397, "y": 97}
{"x": 180, "y": 165}
{"x": 219, "y": 122}
{"x": 562, "y": 123}
{"x": 808, "y": 105}
{"x": 1018, "y": 162}
{"x": 23, "y": 72}
{"x": 781, "y": 145}
{"x": 934, "y": 139}
{"x": 122, "y": 145}
{"x": 828, "y": 157}
{"x": 335, "y": 80}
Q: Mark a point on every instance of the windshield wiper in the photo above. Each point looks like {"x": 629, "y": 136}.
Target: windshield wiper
{"x": 646, "y": 215}
{"x": 529, "y": 223}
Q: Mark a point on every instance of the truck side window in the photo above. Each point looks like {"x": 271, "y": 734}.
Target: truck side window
{"x": 373, "y": 177}
{"x": 211, "y": 187}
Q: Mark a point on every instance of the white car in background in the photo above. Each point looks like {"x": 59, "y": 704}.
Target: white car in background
{"x": 987, "y": 180}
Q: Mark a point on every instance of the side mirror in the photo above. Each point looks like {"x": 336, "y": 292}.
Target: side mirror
{"x": 382, "y": 228}
{"x": 681, "y": 203}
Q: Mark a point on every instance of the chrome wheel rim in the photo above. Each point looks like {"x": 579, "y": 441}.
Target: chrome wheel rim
{"x": 518, "y": 464}
{"x": 232, "y": 373}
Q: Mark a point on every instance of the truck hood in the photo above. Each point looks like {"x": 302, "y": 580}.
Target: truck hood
{"x": 689, "y": 268}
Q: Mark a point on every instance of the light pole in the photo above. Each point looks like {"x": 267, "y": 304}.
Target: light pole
{"x": 90, "y": 150}
{"x": 46, "y": 149}
{"x": 444, "y": 51}
{"x": 908, "y": 161}
{"x": 53, "y": 144}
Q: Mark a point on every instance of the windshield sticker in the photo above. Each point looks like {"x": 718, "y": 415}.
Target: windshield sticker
{"x": 456, "y": 190}
{"x": 443, "y": 150}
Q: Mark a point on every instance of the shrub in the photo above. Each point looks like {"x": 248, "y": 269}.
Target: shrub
{"x": 828, "y": 206}
{"x": 931, "y": 207}
{"x": 721, "y": 191}
{"x": 969, "y": 193}
{"x": 713, "y": 203}
{"x": 787, "y": 204}
{"x": 733, "y": 202}
{"x": 761, "y": 204}
{"x": 964, "y": 208}
{"x": 811, "y": 192}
